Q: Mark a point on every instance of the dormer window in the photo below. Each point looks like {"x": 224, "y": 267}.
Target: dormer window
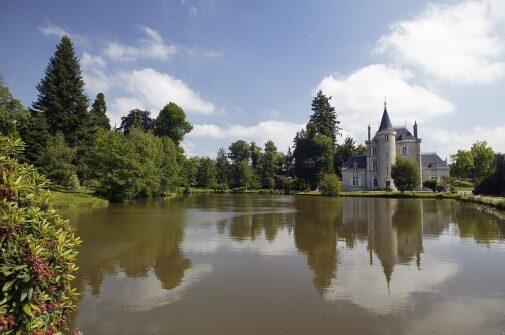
{"x": 386, "y": 137}
{"x": 355, "y": 166}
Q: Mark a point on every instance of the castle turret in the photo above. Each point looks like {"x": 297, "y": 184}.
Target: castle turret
{"x": 386, "y": 142}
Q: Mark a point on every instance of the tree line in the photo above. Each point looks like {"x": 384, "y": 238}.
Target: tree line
{"x": 73, "y": 144}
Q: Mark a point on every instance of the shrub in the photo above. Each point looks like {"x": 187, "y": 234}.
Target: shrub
{"x": 56, "y": 163}
{"x": 495, "y": 183}
{"x": 330, "y": 184}
{"x": 285, "y": 183}
{"x": 220, "y": 188}
{"x": 37, "y": 251}
{"x": 405, "y": 173}
{"x": 240, "y": 189}
{"x": 431, "y": 184}
{"x": 440, "y": 188}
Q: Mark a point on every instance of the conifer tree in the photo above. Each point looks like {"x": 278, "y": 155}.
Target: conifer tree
{"x": 324, "y": 117}
{"x": 97, "y": 116}
{"x": 61, "y": 96}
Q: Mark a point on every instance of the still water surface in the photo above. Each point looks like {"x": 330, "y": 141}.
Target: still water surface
{"x": 255, "y": 264}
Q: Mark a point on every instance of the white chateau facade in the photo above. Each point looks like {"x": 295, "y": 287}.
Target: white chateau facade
{"x": 373, "y": 170}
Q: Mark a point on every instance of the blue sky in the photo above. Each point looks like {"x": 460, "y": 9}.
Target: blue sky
{"x": 248, "y": 69}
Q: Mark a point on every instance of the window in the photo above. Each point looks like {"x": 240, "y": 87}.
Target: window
{"x": 355, "y": 166}
{"x": 355, "y": 181}
{"x": 374, "y": 151}
{"x": 374, "y": 166}
{"x": 405, "y": 151}
{"x": 375, "y": 183}
{"x": 386, "y": 138}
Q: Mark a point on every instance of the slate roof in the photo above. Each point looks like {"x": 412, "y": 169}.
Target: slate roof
{"x": 385, "y": 121}
{"x": 403, "y": 134}
{"x": 428, "y": 159}
{"x": 360, "y": 159}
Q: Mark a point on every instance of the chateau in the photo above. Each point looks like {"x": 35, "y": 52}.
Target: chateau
{"x": 373, "y": 170}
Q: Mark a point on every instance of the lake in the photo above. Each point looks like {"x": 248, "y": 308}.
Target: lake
{"x": 264, "y": 264}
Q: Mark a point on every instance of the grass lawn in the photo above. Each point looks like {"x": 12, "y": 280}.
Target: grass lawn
{"x": 78, "y": 198}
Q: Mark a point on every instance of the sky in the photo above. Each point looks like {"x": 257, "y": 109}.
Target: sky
{"x": 249, "y": 69}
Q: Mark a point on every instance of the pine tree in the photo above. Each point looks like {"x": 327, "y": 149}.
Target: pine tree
{"x": 97, "y": 116}
{"x": 61, "y": 95}
{"x": 324, "y": 117}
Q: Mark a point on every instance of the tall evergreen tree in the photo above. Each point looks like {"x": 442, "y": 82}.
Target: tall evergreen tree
{"x": 61, "y": 95}
{"x": 324, "y": 117}
{"x": 97, "y": 114}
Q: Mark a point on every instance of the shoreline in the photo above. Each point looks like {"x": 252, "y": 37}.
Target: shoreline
{"x": 85, "y": 198}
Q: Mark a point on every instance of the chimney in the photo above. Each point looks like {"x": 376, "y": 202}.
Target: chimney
{"x": 415, "y": 129}
{"x": 368, "y": 132}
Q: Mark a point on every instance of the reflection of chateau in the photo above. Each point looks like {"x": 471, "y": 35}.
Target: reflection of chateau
{"x": 394, "y": 232}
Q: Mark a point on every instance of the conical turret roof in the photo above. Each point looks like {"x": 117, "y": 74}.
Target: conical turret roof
{"x": 385, "y": 122}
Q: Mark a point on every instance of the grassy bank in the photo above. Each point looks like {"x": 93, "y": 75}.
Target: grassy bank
{"x": 79, "y": 198}
{"x": 384, "y": 194}
{"x": 490, "y": 201}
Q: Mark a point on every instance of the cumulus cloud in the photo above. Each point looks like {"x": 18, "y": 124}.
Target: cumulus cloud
{"x": 51, "y": 29}
{"x": 150, "y": 89}
{"x": 358, "y": 97}
{"x": 152, "y": 46}
{"x": 281, "y": 132}
{"x": 94, "y": 73}
{"x": 455, "y": 140}
{"x": 461, "y": 44}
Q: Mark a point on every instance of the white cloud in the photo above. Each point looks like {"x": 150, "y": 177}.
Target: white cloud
{"x": 358, "y": 97}
{"x": 455, "y": 140}
{"x": 281, "y": 132}
{"x": 94, "y": 73}
{"x": 460, "y": 44}
{"x": 147, "y": 88}
{"x": 52, "y": 29}
{"x": 151, "y": 47}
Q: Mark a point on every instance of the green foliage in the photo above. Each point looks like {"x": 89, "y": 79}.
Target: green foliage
{"x": 494, "y": 184}
{"x": 97, "y": 115}
{"x": 238, "y": 152}
{"x": 189, "y": 171}
{"x": 34, "y": 131}
{"x": 285, "y": 183}
{"x": 220, "y": 188}
{"x": 38, "y": 251}
{"x": 56, "y": 163}
{"x": 245, "y": 175}
{"x": 344, "y": 151}
{"x": 222, "y": 167}
{"x": 313, "y": 154}
{"x": 330, "y": 184}
{"x": 137, "y": 118}
{"x": 405, "y": 173}
{"x": 475, "y": 164}
{"x": 61, "y": 97}
{"x": 206, "y": 174}
{"x": 255, "y": 155}
{"x": 431, "y": 184}
{"x": 324, "y": 117}
{"x": 269, "y": 165}
{"x": 122, "y": 167}
{"x": 172, "y": 122}
{"x": 10, "y": 108}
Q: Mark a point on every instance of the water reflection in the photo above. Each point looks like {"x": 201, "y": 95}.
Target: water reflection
{"x": 382, "y": 256}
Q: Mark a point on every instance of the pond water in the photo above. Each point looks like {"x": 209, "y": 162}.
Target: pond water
{"x": 258, "y": 264}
